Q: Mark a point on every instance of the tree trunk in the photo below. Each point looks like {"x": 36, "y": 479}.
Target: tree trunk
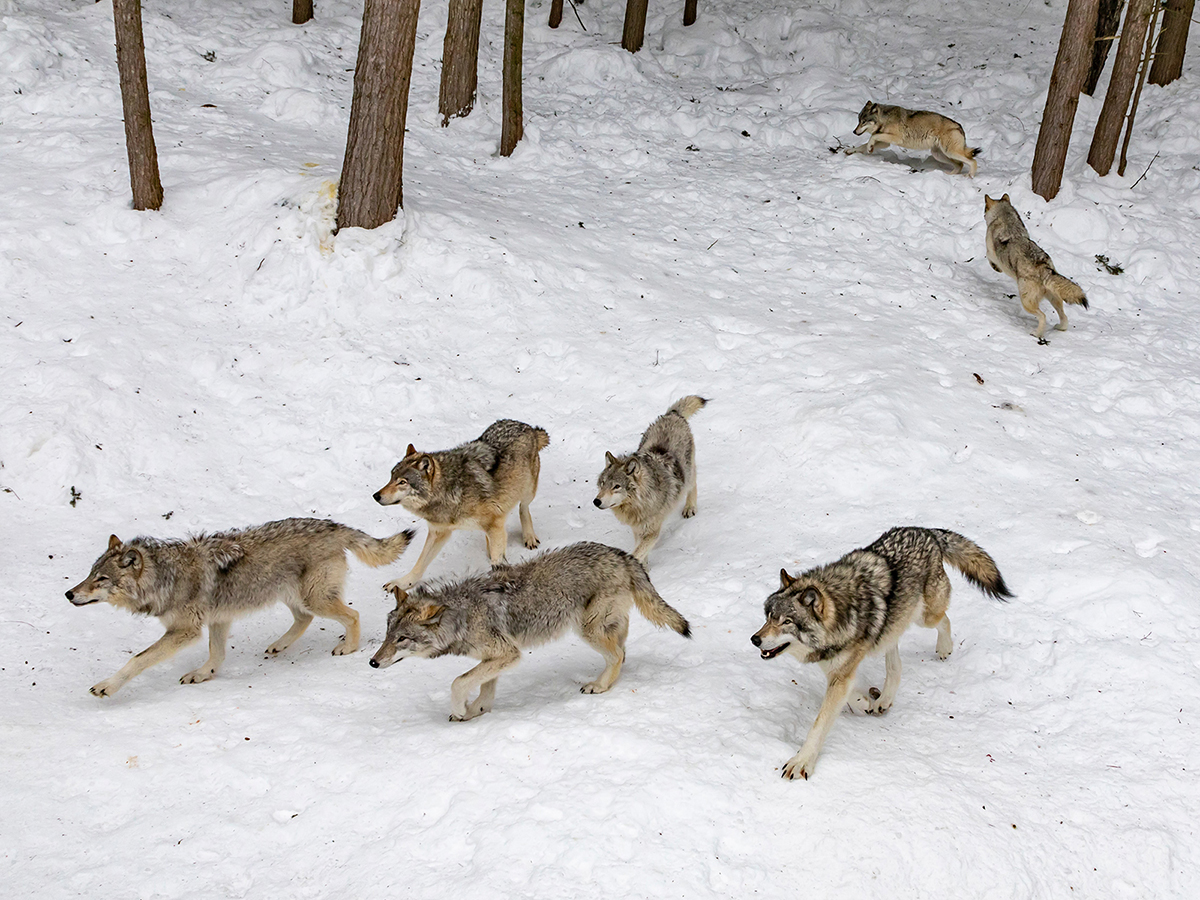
{"x": 1062, "y": 99}
{"x": 372, "y": 185}
{"x": 1120, "y": 85}
{"x": 635, "y": 25}
{"x": 512, "y": 126}
{"x": 135, "y": 103}
{"x": 1172, "y": 41}
{"x": 302, "y": 11}
{"x": 460, "y": 60}
{"x": 1107, "y": 24}
{"x": 1137, "y": 94}
{"x": 689, "y": 12}
{"x": 556, "y": 7}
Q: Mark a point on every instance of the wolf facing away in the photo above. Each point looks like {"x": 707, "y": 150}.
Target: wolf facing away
{"x": 211, "y": 579}
{"x": 837, "y": 614}
{"x": 473, "y": 485}
{"x": 1010, "y": 250}
{"x": 916, "y": 130}
{"x": 586, "y": 587}
{"x": 642, "y": 488}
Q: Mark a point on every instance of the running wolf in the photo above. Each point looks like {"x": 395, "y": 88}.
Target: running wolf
{"x": 916, "y": 130}
{"x": 1010, "y": 250}
{"x": 837, "y": 614}
{"x": 212, "y": 579}
{"x": 585, "y": 587}
{"x": 641, "y": 489}
{"x": 474, "y": 485}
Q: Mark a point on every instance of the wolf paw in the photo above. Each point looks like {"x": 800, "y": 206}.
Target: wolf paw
{"x": 594, "y": 687}
{"x": 532, "y": 543}
{"x": 802, "y": 765}
{"x": 275, "y": 649}
{"x": 400, "y": 584}
{"x": 198, "y": 676}
{"x": 689, "y": 511}
{"x": 880, "y": 706}
{"x": 860, "y": 703}
{"x": 344, "y": 649}
{"x": 944, "y": 654}
{"x": 104, "y": 689}
{"x": 468, "y": 714}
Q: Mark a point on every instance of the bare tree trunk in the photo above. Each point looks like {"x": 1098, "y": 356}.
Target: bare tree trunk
{"x": 135, "y": 102}
{"x": 460, "y": 60}
{"x": 1172, "y": 41}
{"x": 512, "y": 125}
{"x": 1137, "y": 94}
{"x": 1120, "y": 85}
{"x": 1062, "y": 99}
{"x": 689, "y": 12}
{"x": 556, "y": 7}
{"x": 302, "y": 11}
{"x": 635, "y": 25}
{"x": 372, "y": 173}
{"x": 1107, "y": 23}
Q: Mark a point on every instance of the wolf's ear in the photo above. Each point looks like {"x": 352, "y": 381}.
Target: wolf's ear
{"x": 131, "y": 559}
{"x": 113, "y": 542}
{"x": 410, "y": 451}
{"x": 609, "y": 459}
{"x": 401, "y": 596}
{"x": 425, "y": 465}
{"x": 429, "y": 612}
{"x": 812, "y": 598}
{"x": 631, "y": 466}
{"x": 988, "y": 202}
{"x": 1005, "y": 199}
{"x": 785, "y": 580}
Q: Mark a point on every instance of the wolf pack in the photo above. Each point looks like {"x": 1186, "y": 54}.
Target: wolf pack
{"x": 834, "y": 615}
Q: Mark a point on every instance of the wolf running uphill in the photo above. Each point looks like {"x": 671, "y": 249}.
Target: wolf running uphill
{"x": 1010, "y": 250}
{"x": 474, "y": 485}
{"x": 916, "y": 130}
{"x": 492, "y": 617}
{"x": 835, "y": 615}
{"x": 641, "y": 489}
{"x": 210, "y": 580}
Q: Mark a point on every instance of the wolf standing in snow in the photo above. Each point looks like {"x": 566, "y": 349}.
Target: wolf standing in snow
{"x": 1010, "y": 250}
{"x": 474, "y": 485}
{"x": 210, "y": 580}
{"x": 641, "y": 489}
{"x": 835, "y": 615}
{"x": 916, "y": 130}
{"x": 585, "y": 587}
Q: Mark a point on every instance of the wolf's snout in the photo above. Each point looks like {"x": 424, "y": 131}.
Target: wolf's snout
{"x": 70, "y": 595}
{"x": 756, "y": 640}
{"x": 596, "y": 503}
{"x": 378, "y": 499}
{"x": 375, "y": 662}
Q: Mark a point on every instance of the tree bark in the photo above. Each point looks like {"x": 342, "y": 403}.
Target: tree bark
{"x": 1107, "y": 23}
{"x": 512, "y": 127}
{"x": 1172, "y": 41}
{"x": 1062, "y": 99}
{"x": 635, "y": 25}
{"x": 689, "y": 12}
{"x": 135, "y": 103}
{"x": 556, "y": 8}
{"x": 302, "y": 11}
{"x": 460, "y": 60}
{"x": 371, "y": 188}
{"x": 1120, "y": 85}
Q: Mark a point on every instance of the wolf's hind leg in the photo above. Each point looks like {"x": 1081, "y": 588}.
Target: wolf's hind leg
{"x": 218, "y": 632}
{"x": 300, "y": 623}
{"x": 945, "y": 643}
{"x": 1062, "y": 313}
{"x": 891, "y": 683}
{"x": 689, "y": 505}
{"x": 608, "y": 639}
{"x": 325, "y": 599}
{"x": 528, "y": 536}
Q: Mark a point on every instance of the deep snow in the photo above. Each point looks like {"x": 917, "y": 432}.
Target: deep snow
{"x": 672, "y": 223}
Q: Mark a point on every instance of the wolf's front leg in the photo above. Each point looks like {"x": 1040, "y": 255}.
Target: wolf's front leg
{"x": 482, "y": 678}
{"x": 162, "y": 649}
{"x": 804, "y": 763}
{"x": 646, "y": 539}
{"x": 434, "y": 541}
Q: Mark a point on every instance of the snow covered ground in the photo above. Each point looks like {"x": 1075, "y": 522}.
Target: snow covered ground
{"x": 672, "y": 223}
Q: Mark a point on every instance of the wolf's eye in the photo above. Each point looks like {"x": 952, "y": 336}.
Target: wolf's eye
{"x": 403, "y": 482}
{"x": 100, "y": 578}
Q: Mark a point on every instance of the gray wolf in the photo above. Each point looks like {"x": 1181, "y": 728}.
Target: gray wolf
{"x": 473, "y": 485}
{"x": 917, "y": 130}
{"x": 212, "y": 579}
{"x": 1010, "y": 250}
{"x": 585, "y": 587}
{"x": 837, "y": 614}
{"x": 642, "y": 488}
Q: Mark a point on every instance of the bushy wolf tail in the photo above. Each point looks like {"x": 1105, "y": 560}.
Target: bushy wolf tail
{"x": 971, "y": 559}
{"x": 377, "y": 552}
{"x": 653, "y": 607}
{"x": 541, "y": 439}
{"x": 1066, "y": 290}
{"x": 685, "y": 406}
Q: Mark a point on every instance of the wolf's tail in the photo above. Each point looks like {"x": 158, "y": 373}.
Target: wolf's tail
{"x": 541, "y": 439}
{"x": 655, "y": 609}
{"x": 685, "y": 406}
{"x": 973, "y": 152}
{"x": 377, "y": 552}
{"x": 1066, "y": 290}
{"x": 971, "y": 559}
